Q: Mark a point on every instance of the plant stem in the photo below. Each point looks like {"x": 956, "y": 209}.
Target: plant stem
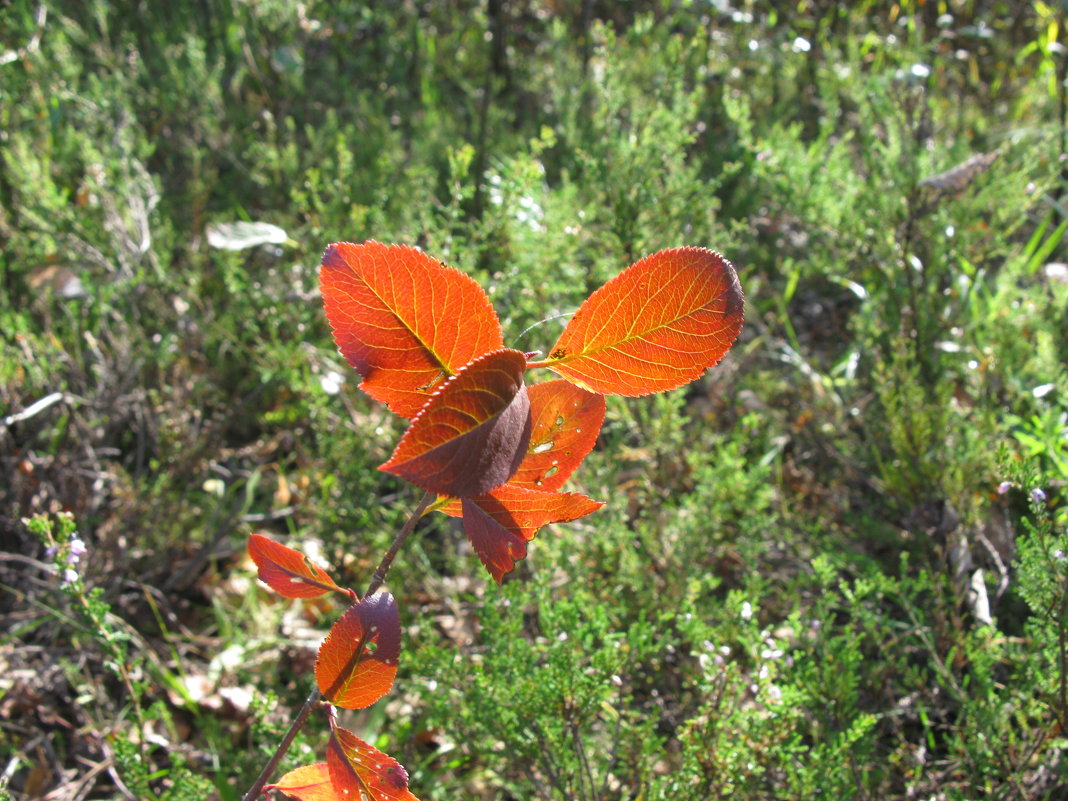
{"x": 387, "y": 560}
{"x": 314, "y": 696}
{"x": 272, "y": 763}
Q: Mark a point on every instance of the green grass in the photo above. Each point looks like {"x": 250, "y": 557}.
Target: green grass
{"x": 783, "y": 597}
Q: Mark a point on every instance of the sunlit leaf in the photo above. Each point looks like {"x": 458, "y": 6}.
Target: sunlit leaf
{"x": 360, "y": 772}
{"x": 307, "y": 783}
{"x": 565, "y": 421}
{"x": 358, "y": 659}
{"x": 656, "y": 326}
{"x": 405, "y": 321}
{"x": 472, "y": 434}
{"x": 289, "y": 572}
{"x": 500, "y": 523}
{"x": 241, "y": 235}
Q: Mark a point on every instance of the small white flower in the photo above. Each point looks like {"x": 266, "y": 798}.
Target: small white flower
{"x": 70, "y": 575}
{"x": 747, "y": 611}
{"x": 801, "y": 45}
{"x": 331, "y": 382}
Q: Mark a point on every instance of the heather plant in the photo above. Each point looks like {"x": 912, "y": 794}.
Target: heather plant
{"x": 121, "y": 655}
{"x": 888, "y": 181}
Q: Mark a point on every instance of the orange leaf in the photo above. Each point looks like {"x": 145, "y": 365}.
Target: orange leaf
{"x": 358, "y": 659}
{"x": 497, "y": 547}
{"x": 565, "y": 421}
{"x": 656, "y": 326}
{"x": 307, "y": 783}
{"x": 360, "y": 772}
{"x": 472, "y": 433}
{"x": 500, "y": 523}
{"x": 404, "y": 320}
{"x": 289, "y": 572}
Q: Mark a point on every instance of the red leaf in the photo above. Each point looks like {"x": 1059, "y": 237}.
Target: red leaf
{"x": 289, "y": 572}
{"x": 358, "y": 659}
{"x": 500, "y": 523}
{"x": 565, "y": 421}
{"x": 497, "y": 547}
{"x": 656, "y": 326}
{"x": 307, "y": 783}
{"x": 404, "y": 320}
{"x": 360, "y": 772}
{"x": 472, "y": 433}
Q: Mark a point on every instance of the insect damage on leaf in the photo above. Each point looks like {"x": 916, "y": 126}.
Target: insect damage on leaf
{"x": 360, "y": 772}
{"x": 357, "y": 661}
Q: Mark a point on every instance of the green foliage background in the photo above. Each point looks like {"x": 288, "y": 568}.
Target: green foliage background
{"x": 786, "y": 595}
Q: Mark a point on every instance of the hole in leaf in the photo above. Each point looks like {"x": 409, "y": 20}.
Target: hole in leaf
{"x": 542, "y": 447}
{"x": 552, "y": 471}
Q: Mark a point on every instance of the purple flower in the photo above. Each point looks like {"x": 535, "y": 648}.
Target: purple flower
{"x": 51, "y": 550}
{"x": 1004, "y": 487}
{"x": 1038, "y": 496}
{"x": 70, "y": 575}
{"x": 77, "y": 547}
{"x": 1058, "y": 554}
